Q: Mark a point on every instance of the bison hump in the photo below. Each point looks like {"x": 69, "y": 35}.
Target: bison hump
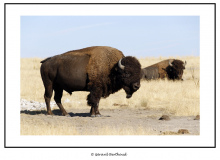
{"x": 45, "y": 60}
{"x": 102, "y": 60}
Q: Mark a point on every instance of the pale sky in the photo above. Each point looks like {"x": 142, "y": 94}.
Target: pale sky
{"x": 140, "y": 36}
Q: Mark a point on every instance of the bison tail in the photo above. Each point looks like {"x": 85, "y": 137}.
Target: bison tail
{"x": 45, "y": 60}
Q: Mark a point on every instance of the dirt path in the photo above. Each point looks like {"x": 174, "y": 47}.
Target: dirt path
{"x": 80, "y": 118}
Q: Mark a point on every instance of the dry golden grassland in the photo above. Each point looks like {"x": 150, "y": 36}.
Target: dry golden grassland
{"x": 37, "y": 127}
{"x": 175, "y": 97}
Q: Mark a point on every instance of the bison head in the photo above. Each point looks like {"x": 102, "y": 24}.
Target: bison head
{"x": 130, "y": 74}
{"x": 175, "y": 69}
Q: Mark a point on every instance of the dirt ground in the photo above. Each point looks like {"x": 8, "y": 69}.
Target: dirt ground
{"x": 146, "y": 118}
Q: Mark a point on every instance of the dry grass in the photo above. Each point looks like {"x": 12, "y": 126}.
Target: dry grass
{"x": 65, "y": 129}
{"x": 180, "y": 98}
{"x": 177, "y": 98}
{"x": 30, "y": 128}
{"x": 39, "y": 127}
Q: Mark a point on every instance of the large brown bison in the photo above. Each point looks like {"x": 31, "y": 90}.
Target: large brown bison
{"x": 99, "y": 70}
{"x": 170, "y": 68}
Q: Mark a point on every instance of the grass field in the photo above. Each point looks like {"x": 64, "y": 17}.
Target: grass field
{"x": 180, "y": 98}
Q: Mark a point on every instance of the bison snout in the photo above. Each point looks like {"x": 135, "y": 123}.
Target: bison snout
{"x": 136, "y": 86}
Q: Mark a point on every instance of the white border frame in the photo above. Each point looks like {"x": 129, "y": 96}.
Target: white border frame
{"x": 206, "y": 13}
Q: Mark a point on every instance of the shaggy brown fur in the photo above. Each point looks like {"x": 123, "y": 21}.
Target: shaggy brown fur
{"x": 100, "y": 65}
{"x": 101, "y": 61}
{"x": 162, "y": 66}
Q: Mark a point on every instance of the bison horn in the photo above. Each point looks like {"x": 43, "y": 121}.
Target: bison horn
{"x": 170, "y": 63}
{"x": 120, "y": 65}
{"x": 184, "y": 64}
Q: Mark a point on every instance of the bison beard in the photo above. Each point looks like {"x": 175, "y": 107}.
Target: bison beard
{"x": 99, "y": 70}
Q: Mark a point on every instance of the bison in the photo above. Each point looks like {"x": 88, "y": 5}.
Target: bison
{"x": 99, "y": 70}
{"x": 170, "y": 68}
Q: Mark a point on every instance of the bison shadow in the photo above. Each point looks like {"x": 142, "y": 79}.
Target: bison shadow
{"x": 56, "y": 112}
{"x": 33, "y": 112}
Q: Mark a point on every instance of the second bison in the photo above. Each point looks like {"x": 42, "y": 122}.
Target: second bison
{"x": 170, "y": 68}
{"x": 99, "y": 70}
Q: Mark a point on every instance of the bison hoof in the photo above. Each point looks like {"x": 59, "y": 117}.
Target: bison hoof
{"x": 67, "y": 115}
{"x": 97, "y": 115}
{"x": 50, "y": 114}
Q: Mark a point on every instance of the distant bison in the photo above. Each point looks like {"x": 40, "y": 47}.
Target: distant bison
{"x": 170, "y": 68}
{"x": 99, "y": 70}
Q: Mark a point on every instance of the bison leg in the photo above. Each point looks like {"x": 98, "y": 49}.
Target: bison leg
{"x": 93, "y": 101}
{"x": 57, "y": 97}
{"x": 47, "y": 96}
{"x": 96, "y": 108}
{"x": 95, "y": 111}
